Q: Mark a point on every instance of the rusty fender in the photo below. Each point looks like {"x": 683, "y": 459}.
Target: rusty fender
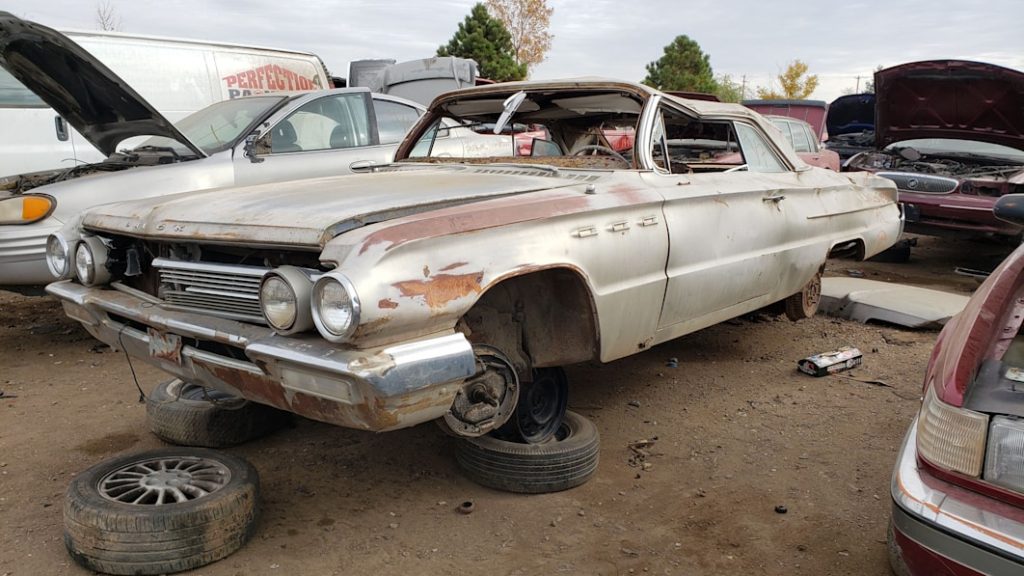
{"x": 375, "y": 389}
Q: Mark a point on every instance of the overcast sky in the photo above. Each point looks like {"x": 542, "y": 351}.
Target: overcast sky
{"x": 613, "y": 38}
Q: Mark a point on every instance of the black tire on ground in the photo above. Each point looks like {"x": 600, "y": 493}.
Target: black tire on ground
{"x": 897, "y": 253}
{"x": 105, "y": 532}
{"x": 804, "y": 303}
{"x": 565, "y": 461}
{"x": 190, "y": 415}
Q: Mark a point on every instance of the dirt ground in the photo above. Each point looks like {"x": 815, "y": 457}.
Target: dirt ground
{"x": 738, "y": 432}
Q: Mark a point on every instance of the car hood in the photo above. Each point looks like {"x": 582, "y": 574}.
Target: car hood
{"x": 79, "y": 87}
{"x": 851, "y": 114}
{"x": 950, "y": 99}
{"x": 311, "y": 212}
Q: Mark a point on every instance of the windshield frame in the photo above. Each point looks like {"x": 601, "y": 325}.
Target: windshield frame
{"x": 162, "y": 141}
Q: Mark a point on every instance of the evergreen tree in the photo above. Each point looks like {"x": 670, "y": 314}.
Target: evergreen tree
{"x": 485, "y": 39}
{"x": 683, "y": 66}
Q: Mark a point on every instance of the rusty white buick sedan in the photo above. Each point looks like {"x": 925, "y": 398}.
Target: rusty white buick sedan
{"x": 453, "y": 284}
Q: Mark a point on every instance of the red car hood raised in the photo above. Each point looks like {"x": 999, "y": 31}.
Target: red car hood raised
{"x": 950, "y": 99}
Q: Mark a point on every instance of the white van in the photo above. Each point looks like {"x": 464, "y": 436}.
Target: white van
{"x": 176, "y": 76}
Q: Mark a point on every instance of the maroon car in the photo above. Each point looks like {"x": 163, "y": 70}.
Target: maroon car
{"x": 958, "y": 486}
{"x": 811, "y": 111}
{"x": 950, "y": 133}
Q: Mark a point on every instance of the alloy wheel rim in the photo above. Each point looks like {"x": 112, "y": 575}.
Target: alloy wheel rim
{"x": 163, "y": 481}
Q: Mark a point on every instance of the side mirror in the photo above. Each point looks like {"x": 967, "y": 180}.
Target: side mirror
{"x": 1010, "y": 208}
{"x": 250, "y": 148}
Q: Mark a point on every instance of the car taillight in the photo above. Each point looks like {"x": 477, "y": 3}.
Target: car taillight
{"x": 1004, "y": 461}
{"x": 951, "y": 438}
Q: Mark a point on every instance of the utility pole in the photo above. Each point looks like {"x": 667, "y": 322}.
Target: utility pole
{"x": 743, "y": 88}
{"x": 857, "y": 91}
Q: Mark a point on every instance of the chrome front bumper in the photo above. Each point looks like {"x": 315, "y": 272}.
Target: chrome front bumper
{"x": 375, "y": 389}
{"x": 961, "y": 525}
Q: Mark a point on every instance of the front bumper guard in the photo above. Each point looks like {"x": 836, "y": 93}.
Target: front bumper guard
{"x": 376, "y": 389}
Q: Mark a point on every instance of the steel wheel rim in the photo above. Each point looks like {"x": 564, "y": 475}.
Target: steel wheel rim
{"x": 539, "y": 416}
{"x": 163, "y": 481}
{"x": 813, "y": 294}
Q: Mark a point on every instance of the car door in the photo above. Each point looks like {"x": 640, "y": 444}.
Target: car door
{"x": 324, "y": 136}
{"x": 727, "y": 194}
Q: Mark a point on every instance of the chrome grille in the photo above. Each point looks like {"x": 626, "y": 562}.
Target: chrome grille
{"x": 923, "y": 183}
{"x": 224, "y": 289}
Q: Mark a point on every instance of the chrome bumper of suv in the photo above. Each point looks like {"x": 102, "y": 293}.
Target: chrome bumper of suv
{"x": 375, "y": 389}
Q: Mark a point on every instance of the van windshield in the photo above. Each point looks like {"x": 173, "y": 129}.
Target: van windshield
{"x": 14, "y": 94}
{"x": 219, "y": 126}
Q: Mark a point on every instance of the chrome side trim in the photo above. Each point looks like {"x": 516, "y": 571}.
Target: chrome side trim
{"x": 955, "y": 511}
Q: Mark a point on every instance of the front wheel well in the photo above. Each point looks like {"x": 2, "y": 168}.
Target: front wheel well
{"x": 539, "y": 319}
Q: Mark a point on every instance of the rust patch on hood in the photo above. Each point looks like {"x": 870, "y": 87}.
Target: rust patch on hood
{"x": 443, "y": 288}
{"x": 453, "y": 266}
{"x": 387, "y": 304}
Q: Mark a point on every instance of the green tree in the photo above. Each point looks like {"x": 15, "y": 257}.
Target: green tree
{"x": 796, "y": 84}
{"x": 727, "y": 90}
{"x": 485, "y": 39}
{"x": 683, "y": 66}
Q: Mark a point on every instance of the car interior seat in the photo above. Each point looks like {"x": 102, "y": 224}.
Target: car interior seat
{"x": 284, "y": 138}
{"x": 341, "y": 137}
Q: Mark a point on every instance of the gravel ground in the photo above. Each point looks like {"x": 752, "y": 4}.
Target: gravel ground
{"x": 737, "y": 433}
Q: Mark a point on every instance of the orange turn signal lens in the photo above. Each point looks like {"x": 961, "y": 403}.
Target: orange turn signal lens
{"x": 35, "y": 208}
{"x": 25, "y": 209}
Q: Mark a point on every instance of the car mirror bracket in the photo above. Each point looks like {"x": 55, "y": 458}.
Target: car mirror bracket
{"x": 250, "y": 148}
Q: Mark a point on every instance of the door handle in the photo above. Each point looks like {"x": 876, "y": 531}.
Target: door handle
{"x": 61, "y": 127}
{"x": 362, "y": 164}
{"x": 774, "y": 198}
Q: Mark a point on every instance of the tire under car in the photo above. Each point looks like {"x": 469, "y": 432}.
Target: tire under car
{"x": 190, "y": 415}
{"x": 564, "y": 461}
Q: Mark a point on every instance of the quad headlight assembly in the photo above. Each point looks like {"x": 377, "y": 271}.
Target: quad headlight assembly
{"x": 285, "y": 299}
{"x": 335, "y": 307}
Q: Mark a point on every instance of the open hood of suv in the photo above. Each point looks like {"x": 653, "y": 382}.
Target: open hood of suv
{"x": 79, "y": 87}
{"x": 950, "y": 99}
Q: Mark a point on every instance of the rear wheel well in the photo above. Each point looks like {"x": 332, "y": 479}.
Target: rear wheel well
{"x": 539, "y": 319}
{"x": 848, "y": 250}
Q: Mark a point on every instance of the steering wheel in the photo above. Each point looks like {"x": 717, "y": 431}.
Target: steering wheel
{"x": 605, "y": 149}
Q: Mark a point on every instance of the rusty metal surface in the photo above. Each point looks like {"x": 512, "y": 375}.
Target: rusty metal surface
{"x": 380, "y": 389}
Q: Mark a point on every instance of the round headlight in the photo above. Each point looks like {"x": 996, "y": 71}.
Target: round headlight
{"x": 279, "y": 303}
{"x": 335, "y": 307}
{"x": 85, "y": 264}
{"x": 91, "y": 261}
{"x": 57, "y": 256}
{"x": 284, "y": 298}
